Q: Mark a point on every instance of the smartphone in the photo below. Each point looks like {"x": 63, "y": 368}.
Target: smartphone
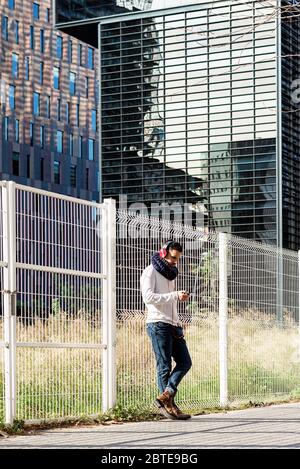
{"x": 188, "y": 293}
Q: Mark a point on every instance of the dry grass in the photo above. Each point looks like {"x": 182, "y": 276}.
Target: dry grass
{"x": 263, "y": 362}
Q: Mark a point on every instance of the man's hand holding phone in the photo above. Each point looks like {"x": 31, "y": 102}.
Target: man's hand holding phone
{"x": 183, "y": 295}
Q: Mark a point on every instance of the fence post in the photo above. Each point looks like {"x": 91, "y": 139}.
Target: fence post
{"x": 109, "y": 304}
{"x": 299, "y": 299}
{"x": 9, "y": 296}
{"x": 223, "y": 304}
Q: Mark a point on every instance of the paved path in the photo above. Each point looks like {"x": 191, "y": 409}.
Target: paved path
{"x": 276, "y": 426}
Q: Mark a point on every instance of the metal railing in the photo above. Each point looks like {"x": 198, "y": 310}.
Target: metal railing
{"x": 73, "y": 339}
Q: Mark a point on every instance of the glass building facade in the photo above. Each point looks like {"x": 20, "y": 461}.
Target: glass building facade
{"x": 67, "y": 11}
{"x": 196, "y": 108}
{"x": 290, "y": 123}
{"x": 72, "y": 10}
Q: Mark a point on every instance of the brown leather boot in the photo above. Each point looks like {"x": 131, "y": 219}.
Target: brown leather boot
{"x": 164, "y": 403}
{"x": 177, "y": 412}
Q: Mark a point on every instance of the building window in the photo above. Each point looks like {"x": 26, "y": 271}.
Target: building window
{"x": 68, "y": 112}
{"x": 5, "y": 27}
{"x": 11, "y": 4}
{"x": 80, "y": 146}
{"x": 97, "y": 84}
{"x": 6, "y": 126}
{"x": 15, "y": 65}
{"x": 73, "y": 175}
{"x": 56, "y": 172}
{"x": 48, "y": 15}
{"x": 42, "y": 41}
{"x": 42, "y": 136}
{"x": 36, "y": 103}
{"x": 42, "y": 169}
{"x": 12, "y": 91}
{"x": 77, "y": 116}
{"x": 72, "y": 83}
{"x": 87, "y": 177}
{"x": 48, "y": 107}
{"x": 59, "y": 138}
{"x": 27, "y": 68}
{"x": 70, "y": 51}
{"x": 58, "y": 109}
{"x": 59, "y": 47}
{"x": 94, "y": 120}
{"x": 86, "y": 87}
{"x": 56, "y": 78}
{"x": 41, "y": 73}
{"x": 98, "y": 180}
{"x": 91, "y": 58}
{"x": 16, "y": 163}
{"x": 28, "y": 167}
{"x": 16, "y": 32}
{"x": 80, "y": 54}
{"x": 17, "y": 130}
{"x": 31, "y": 133}
{"x": 32, "y": 37}
{"x": 91, "y": 149}
{"x": 71, "y": 144}
{"x": 36, "y": 10}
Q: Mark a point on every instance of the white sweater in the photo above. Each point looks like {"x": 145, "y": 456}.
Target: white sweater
{"x": 159, "y": 297}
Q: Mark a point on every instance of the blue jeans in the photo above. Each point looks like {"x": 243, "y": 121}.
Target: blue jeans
{"x": 167, "y": 342}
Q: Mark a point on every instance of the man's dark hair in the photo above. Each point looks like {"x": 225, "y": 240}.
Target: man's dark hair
{"x": 176, "y": 246}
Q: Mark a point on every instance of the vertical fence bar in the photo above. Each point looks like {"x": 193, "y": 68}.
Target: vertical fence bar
{"x": 9, "y": 292}
{"x": 223, "y": 313}
{"x": 6, "y": 306}
{"x": 105, "y": 294}
{"x": 279, "y": 287}
{"x": 111, "y": 208}
{"x": 13, "y": 286}
{"x": 109, "y": 304}
{"x": 299, "y": 300}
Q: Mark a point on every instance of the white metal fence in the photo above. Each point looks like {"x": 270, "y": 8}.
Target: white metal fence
{"x": 72, "y": 326}
{"x": 241, "y": 323}
{"x": 55, "y": 289}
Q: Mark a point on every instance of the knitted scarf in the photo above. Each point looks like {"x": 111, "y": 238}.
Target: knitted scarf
{"x": 163, "y": 267}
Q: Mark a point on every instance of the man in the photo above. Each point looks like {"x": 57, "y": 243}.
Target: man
{"x": 163, "y": 327}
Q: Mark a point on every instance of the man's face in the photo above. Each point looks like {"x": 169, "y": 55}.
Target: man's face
{"x": 173, "y": 256}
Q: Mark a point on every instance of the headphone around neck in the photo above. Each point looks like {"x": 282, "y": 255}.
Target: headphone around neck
{"x": 163, "y": 252}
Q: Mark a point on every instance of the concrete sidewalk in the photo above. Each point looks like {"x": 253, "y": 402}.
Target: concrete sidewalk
{"x": 277, "y": 426}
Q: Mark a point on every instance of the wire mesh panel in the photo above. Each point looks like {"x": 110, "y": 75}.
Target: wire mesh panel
{"x": 2, "y": 391}
{"x": 263, "y": 318}
{"x": 262, "y": 324}
{"x": 200, "y": 276}
{"x": 59, "y": 317}
{"x": 138, "y": 237}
